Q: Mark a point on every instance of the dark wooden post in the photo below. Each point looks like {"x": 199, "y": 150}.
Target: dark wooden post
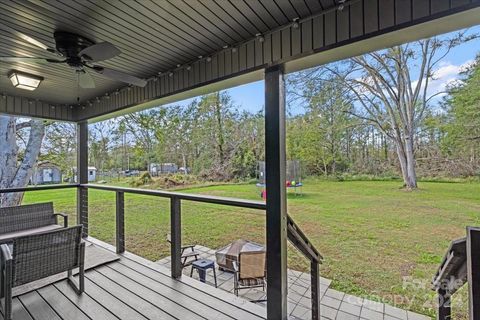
{"x": 275, "y": 162}
{"x": 120, "y": 222}
{"x": 444, "y": 305}
{"x": 315, "y": 293}
{"x": 176, "y": 237}
{"x": 82, "y": 175}
{"x": 473, "y": 271}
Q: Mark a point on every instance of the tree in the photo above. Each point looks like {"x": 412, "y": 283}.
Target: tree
{"x": 59, "y": 146}
{"x": 16, "y": 168}
{"x": 99, "y": 145}
{"x": 321, "y": 133}
{"x": 390, "y": 88}
{"x": 148, "y": 128}
{"x": 215, "y": 135}
{"x": 462, "y": 127}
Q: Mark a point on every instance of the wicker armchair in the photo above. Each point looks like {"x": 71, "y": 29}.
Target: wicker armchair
{"x": 249, "y": 272}
{"x": 28, "y": 219}
{"x": 38, "y": 256}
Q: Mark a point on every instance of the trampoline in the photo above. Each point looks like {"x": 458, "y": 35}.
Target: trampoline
{"x": 293, "y": 177}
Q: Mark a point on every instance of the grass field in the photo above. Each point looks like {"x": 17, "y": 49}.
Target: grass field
{"x": 371, "y": 233}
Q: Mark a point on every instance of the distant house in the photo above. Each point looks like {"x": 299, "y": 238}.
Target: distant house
{"x": 92, "y": 174}
{"x": 46, "y": 172}
{"x": 162, "y": 168}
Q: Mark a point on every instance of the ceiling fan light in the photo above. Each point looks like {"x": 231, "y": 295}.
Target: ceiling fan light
{"x": 22, "y": 80}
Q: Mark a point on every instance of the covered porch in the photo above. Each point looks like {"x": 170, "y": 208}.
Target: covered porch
{"x": 176, "y": 51}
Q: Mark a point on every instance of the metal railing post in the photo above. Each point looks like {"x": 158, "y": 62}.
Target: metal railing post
{"x": 82, "y": 209}
{"x": 473, "y": 271}
{"x": 315, "y": 293}
{"x": 444, "y": 307}
{"x": 120, "y": 222}
{"x": 176, "y": 237}
{"x": 82, "y": 175}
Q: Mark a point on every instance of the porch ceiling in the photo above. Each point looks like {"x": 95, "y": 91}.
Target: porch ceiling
{"x": 153, "y": 36}
{"x": 169, "y": 36}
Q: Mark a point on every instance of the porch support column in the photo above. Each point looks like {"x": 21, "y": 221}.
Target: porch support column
{"x": 82, "y": 175}
{"x": 275, "y": 162}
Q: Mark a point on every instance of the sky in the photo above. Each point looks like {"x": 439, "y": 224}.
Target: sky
{"x": 250, "y": 97}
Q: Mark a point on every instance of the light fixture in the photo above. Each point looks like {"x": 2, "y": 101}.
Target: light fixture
{"x": 22, "y": 80}
{"x": 260, "y": 37}
{"x": 295, "y": 23}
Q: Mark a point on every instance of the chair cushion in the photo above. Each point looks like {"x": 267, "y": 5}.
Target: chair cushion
{"x": 251, "y": 282}
{"x": 11, "y": 235}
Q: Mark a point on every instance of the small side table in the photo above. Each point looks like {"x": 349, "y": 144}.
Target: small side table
{"x": 202, "y": 266}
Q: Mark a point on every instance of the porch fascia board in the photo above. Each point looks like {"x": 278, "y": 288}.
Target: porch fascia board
{"x": 28, "y": 107}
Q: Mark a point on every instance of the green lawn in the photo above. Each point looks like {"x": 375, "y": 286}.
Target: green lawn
{"x": 371, "y": 233}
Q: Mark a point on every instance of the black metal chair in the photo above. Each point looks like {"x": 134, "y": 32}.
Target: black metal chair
{"x": 188, "y": 253}
{"x": 34, "y": 257}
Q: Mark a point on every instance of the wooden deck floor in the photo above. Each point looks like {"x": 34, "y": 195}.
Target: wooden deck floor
{"x": 133, "y": 288}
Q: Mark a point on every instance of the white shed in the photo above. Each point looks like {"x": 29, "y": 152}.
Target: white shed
{"x": 92, "y": 174}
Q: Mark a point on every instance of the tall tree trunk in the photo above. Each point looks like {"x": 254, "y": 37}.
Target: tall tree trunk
{"x": 12, "y": 173}
{"x": 402, "y": 159}
{"x": 411, "y": 183}
{"x": 406, "y": 159}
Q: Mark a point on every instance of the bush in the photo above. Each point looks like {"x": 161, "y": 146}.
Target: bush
{"x": 173, "y": 180}
{"x": 143, "y": 179}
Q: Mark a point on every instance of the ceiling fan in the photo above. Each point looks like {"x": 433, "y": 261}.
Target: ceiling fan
{"x": 81, "y": 54}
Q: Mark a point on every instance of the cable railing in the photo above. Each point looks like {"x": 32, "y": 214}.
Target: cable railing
{"x": 295, "y": 234}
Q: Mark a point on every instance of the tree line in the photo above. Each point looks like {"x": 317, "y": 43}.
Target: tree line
{"x": 372, "y": 115}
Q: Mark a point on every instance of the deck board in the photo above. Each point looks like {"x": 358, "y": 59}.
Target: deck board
{"x": 132, "y": 288}
{"x": 18, "y": 311}
{"x": 37, "y": 307}
{"x": 62, "y": 306}
{"x": 135, "y": 301}
{"x": 203, "y": 307}
{"x": 119, "y": 307}
{"x": 204, "y": 310}
{"x": 226, "y": 307}
{"x": 230, "y": 304}
{"x": 88, "y": 305}
{"x": 170, "y": 303}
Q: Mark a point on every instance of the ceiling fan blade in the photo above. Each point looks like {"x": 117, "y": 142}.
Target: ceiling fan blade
{"x": 99, "y": 52}
{"x": 29, "y": 39}
{"x": 120, "y": 76}
{"x": 85, "y": 79}
{"x": 29, "y": 59}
